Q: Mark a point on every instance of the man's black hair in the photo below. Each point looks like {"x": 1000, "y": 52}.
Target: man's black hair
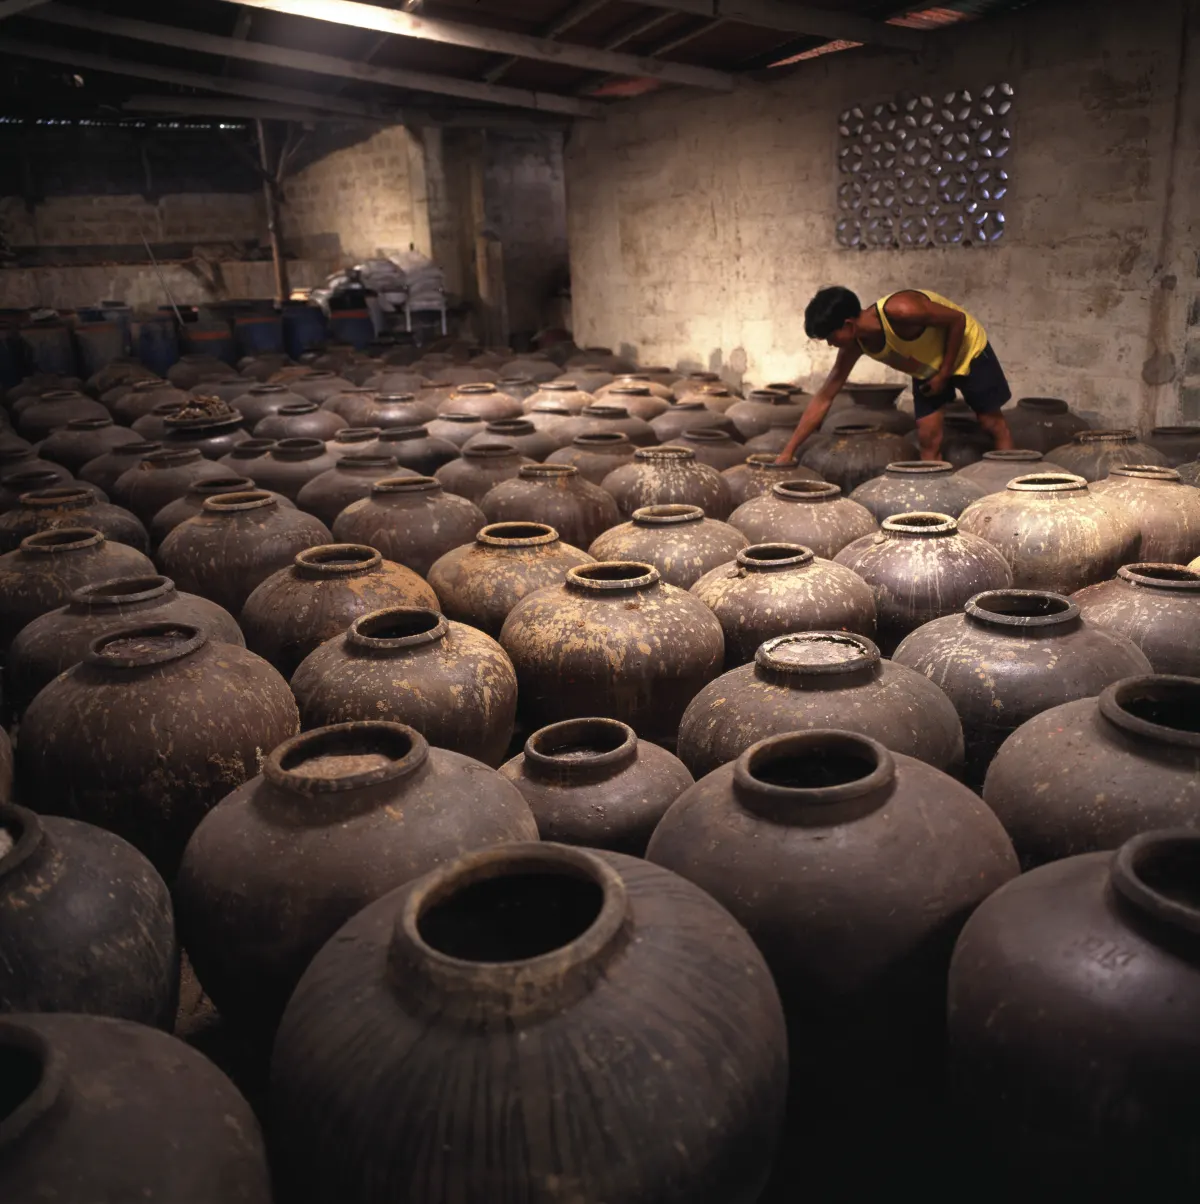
{"x": 828, "y": 310}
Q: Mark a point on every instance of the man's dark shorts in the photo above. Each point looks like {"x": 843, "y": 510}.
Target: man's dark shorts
{"x": 984, "y": 388}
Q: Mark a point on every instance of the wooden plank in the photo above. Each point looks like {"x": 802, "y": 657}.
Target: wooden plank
{"x": 564, "y": 21}
{"x": 476, "y": 37}
{"x": 319, "y": 64}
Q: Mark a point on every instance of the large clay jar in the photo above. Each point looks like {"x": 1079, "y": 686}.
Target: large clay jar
{"x": 692, "y": 382}
{"x": 607, "y": 417}
{"x": 15, "y": 485}
{"x": 591, "y": 782}
{"x": 300, "y": 420}
{"x": 72, "y": 505}
{"x": 964, "y": 441}
{"x": 349, "y": 480}
{"x": 560, "y": 963}
{"x": 454, "y": 684}
{"x": 42, "y": 573}
{"x": 1177, "y": 444}
{"x": 718, "y": 449}
{"x": 213, "y": 434}
{"x": 161, "y": 477}
{"x": 554, "y": 494}
{"x": 1074, "y": 1063}
{"x": 993, "y": 472}
{"x": 55, "y": 641}
{"x": 678, "y": 540}
{"x": 55, "y": 409}
{"x": 642, "y": 399}
{"x": 561, "y": 392}
{"x": 688, "y": 416}
{"x": 771, "y": 589}
{"x": 482, "y": 399}
{"x": 587, "y": 377}
{"x": 290, "y": 465}
{"x": 921, "y": 567}
{"x": 98, "y": 1109}
{"x": 358, "y": 441}
{"x": 872, "y": 405}
{"x": 258, "y": 402}
{"x": 246, "y": 456}
{"x": 1092, "y": 454}
{"x": 853, "y": 868}
{"x": 294, "y": 611}
{"x": 1089, "y": 774}
{"x": 595, "y": 454}
{"x": 1165, "y": 511}
{"x": 660, "y": 476}
{"x": 339, "y": 817}
{"x": 191, "y": 370}
{"x": 911, "y": 485}
{"x": 414, "y": 448}
{"x": 758, "y": 473}
{"x": 456, "y": 428}
{"x": 774, "y": 440}
{"x": 612, "y": 640}
{"x": 411, "y": 520}
{"x": 192, "y": 503}
{"x": 762, "y": 409}
{"x": 1054, "y": 532}
{"x": 819, "y": 679}
{"x": 107, "y": 469}
{"x": 85, "y": 923}
{"x": 811, "y": 513}
{"x": 480, "y": 468}
{"x": 17, "y": 461}
{"x": 386, "y": 410}
{"x": 853, "y": 454}
{"x": 1042, "y": 423}
{"x": 522, "y": 434}
{"x": 320, "y": 385}
{"x": 82, "y": 440}
{"x": 150, "y": 730}
{"x": 480, "y": 582}
{"x": 1009, "y": 656}
{"x": 235, "y": 543}
{"x": 1157, "y": 606}
{"x": 143, "y": 396}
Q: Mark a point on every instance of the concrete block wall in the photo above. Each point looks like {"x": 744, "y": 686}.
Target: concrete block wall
{"x": 700, "y": 224}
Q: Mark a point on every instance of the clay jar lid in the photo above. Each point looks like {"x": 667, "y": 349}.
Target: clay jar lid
{"x": 612, "y": 577}
{"x": 337, "y": 560}
{"x": 805, "y": 654}
{"x": 1023, "y": 611}
{"x": 580, "y": 750}
{"x": 516, "y": 535}
{"x": 667, "y": 515}
{"x": 1145, "y": 575}
{"x": 1158, "y": 706}
{"x": 920, "y": 524}
{"x": 346, "y": 757}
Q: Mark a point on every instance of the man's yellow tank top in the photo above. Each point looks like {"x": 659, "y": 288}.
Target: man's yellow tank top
{"x": 929, "y": 348}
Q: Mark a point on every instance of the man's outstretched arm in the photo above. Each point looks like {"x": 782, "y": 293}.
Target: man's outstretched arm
{"x": 818, "y": 407}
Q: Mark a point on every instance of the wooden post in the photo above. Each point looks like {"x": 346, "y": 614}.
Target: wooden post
{"x": 271, "y": 196}
{"x": 489, "y": 253}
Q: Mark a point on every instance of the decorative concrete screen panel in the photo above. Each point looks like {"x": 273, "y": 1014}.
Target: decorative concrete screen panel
{"x": 925, "y": 170}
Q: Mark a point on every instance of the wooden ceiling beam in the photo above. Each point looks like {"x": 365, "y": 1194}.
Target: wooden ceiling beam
{"x": 564, "y": 21}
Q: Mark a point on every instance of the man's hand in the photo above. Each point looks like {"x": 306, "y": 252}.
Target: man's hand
{"x": 787, "y": 456}
{"x": 938, "y": 383}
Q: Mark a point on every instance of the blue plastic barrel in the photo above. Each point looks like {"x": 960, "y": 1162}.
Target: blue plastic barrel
{"x": 158, "y": 344}
{"x": 353, "y": 326}
{"x": 208, "y": 336}
{"x": 48, "y": 347}
{"x": 258, "y": 334}
{"x": 97, "y": 344}
{"x": 303, "y": 328}
{"x": 122, "y": 315}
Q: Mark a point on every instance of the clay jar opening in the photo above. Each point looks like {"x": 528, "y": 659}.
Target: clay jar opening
{"x": 773, "y": 395}
{"x": 492, "y": 449}
{"x": 769, "y": 557}
{"x": 580, "y": 750}
{"x": 390, "y": 485}
{"x": 1158, "y": 874}
{"x": 210, "y": 486}
{"x": 251, "y": 449}
{"x": 473, "y": 390}
{"x": 364, "y": 434}
{"x": 346, "y": 756}
{"x": 58, "y": 497}
{"x": 1146, "y": 472}
{"x": 668, "y": 514}
{"x": 168, "y": 458}
{"x": 142, "y": 646}
{"x": 337, "y": 560}
{"x": 31, "y": 1078}
{"x": 516, "y": 535}
{"x": 558, "y": 473}
{"x": 295, "y": 408}
{"x": 1022, "y": 609}
{"x": 600, "y": 410}
{"x": 665, "y": 455}
{"x": 920, "y": 524}
{"x": 65, "y": 539}
{"x": 462, "y": 419}
{"x": 920, "y": 468}
{"x": 602, "y": 441}
{"x": 704, "y": 434}
{"x": 275, "y": 390}
{"x": 856, "y": 430}
{"x": 806, "y": 491}
{"x": 298, "y": 449}
{"x": 1117, "y": 435}
{"x": 511, "y": 426}
{"x": 89, "y": 424}
{"x": 632, "y": 389}
{"x": 237, "y": 503}
{"x": 397, "y": 434}
{"x": 122, "y": 591}
{"x": 1014, "y": 455}
{"x": 396, "y": 628}
{"x": 1161, "y": 576}
{"x": 1160, "y": 707}
{"x": 817, "y": 653}
{"x": 1043, "y": 405}
{"x": 30, "y": 481}
{"x": 364, "y": 463}
{"x": 1047, "y": 482}
{"x": 612, "y": 576}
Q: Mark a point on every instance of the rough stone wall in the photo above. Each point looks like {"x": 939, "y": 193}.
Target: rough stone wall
{"x": 700, "y": 224}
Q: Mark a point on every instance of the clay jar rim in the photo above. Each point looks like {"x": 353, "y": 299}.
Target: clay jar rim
{"x": 116, "y": 592}
{"x": 29, "y": 836}
{"x": 1146, "y": 472}
{"x": 547, "y": 472}
{"x": 295, "y": 408}
{"x": 806, "y": 491}
{"x": 705, "y": 434}
{"x": 269, "y": 390}
{"x": 387, "y": 485}
{"x": 862, "y": 654}
{"x": 1156, "y": 430}
{"x": 856, "y": 430}
{"x": 1172, "y": 849}
{"x": 560, "y": 386}
{"x": 1147, "y": 574}
{"x": 298, "y": 449}
{"x": 667, "y": 514}
{"x": 816, "y": 805}
{"x": 382, "y": 399}
{"x": 188, "y": 638}
{"x": 363, "y": 434}
{"x": 600, "y": 410}
{"x": 464, "y": 990}
{"x": 921, "y": 524}
{"x": 62, "y": 539}
{"x": 422, "y": 625}
{"x": 511, "y": 426}
{"x": 239, "y": 502}
{"x": 134, "y": 448}
{"x": 40, "y": 478}
{"x": 774, "y": 557}
{"x": 607, "y": 746}
{"x": 251, "y": 449}
{"x": 1042, "y": 609}
{"x": 766, "y": 460}
{"x": 52, "y": 1066}
{"x": 462, "y": 419}
{"x": 88, "y": 424}
{"x": 1152, "y": 687}
{"x": 520, "y": 534}
{"x": 920, "y": 468}
{"x": 370, "y": 461}
{"x": 601, "y": 440}
{"x": 327, "y": 560}
{"x": 631, "y": 389}
{"x": 209, "y": 486}
{"x": 477, "y": 388}
{"x": 665, "y": 455}
{"x": 1048, "y": 482}
{"x": 282, "y": 766}
{"x": 62, "y": 395}
{"x": 1014, "y": 455}
{"x": 770, "y": 397}
{"x": 59, "y": 497}
{"x": 173, "y": 457}
{"x": 400, "y": 434}
{"x": 1043, "y": 405}
{"x": 490, "y": 449}
{"x": 1114, "y": 435}
{"x": 612, "y": 576}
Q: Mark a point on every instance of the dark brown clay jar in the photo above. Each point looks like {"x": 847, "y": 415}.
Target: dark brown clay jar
{"x": 294, "y": 611}
{"x": 964, "y": 441}
{"x": 772, "y": 589}
{"x": 660, "y": 476}
{"x": 55, "y": 641}
{"x": 1134, "y": 748}
{"x": 160, "y": 477}
{"x": 560, "y": 392}
{"x": 820, "y": 679}
{"x": 811, "y": 513}
{"x": 348, "y": 401}
{"x": 55, "y": 409}
{"x": 213, "y": 435}
{"x": 480, "y": 468}
{"x": 87, "y": 923}
{"x": 411, "y": 520}
{"x": 246, "y": 456}
{"x": 42, "y": 573}
{"x": 1104, "y": 948}
{"x": 758, "y": 473}
{"x": 872, "y": 405}
{"x": 480, "y": 582}
{"x": 591, "y": 782}
{"x": 1042, "y": 423}
{"x": 689, "y": 416}
{"x": 16, "y": 485}
{"x": 920, "y": 567}
{"x": 150, "y": 730}
{"x": 82, "y": 440}
{"x": 406, "y": 664}
{"x": 320, "y": 385}
{"x": 595, "y": 454}
{"x": 554, "y": 494}
{"x": 993, "y": 472}
{"x": 587, "y": 377}
{"x": 1177, "y": 444}
{"x": 22, "y": 460}
{"x": 190, "y": 370}
{"x": 601, "y": 417}
{"x": 388, "y": 409}
{"x": 482, "y": 399}
{"x": 716, "y": 448}
{"x": 73, "y": 505}
{"x": 455, "y": 428}
{"x": 258, "y": 402}
{"x": 693, "y": 382}
{"x": 414, "y": 448}
{"x": 853, "y": 454}
{"x": 678, "y": 540}
{"x": 349, "y": 480}
{"x": 300, "y": 420}
{"x": 104, "y": 1109}
{"x": 762, "y": 409}
{"x": 1054, "y": 532}
{"x": 532, "y": 443}
{"x": 813, "y": 835}
{"x": 612, "y": 640}
{"x": 154, "y": 424}
{"x": 290, "y": 465}
{"x": 644, "y": 392}
{"x": 236, "y": 542}
{"x": 356, "y": 441}
{"x": 1093, "y": 454}
{"x": 107, "y": 469}
{"x": 338, "y": 818}
{"x": 1157, "y": 606}
{"x": 911, "y": 485}
{"x": 192, "y": 503}
{"x": 141, "y": 398}
{"x": 1165, "y": 511}
{"x": 1009, "y": 656}
{"x": 562, "y": 963}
